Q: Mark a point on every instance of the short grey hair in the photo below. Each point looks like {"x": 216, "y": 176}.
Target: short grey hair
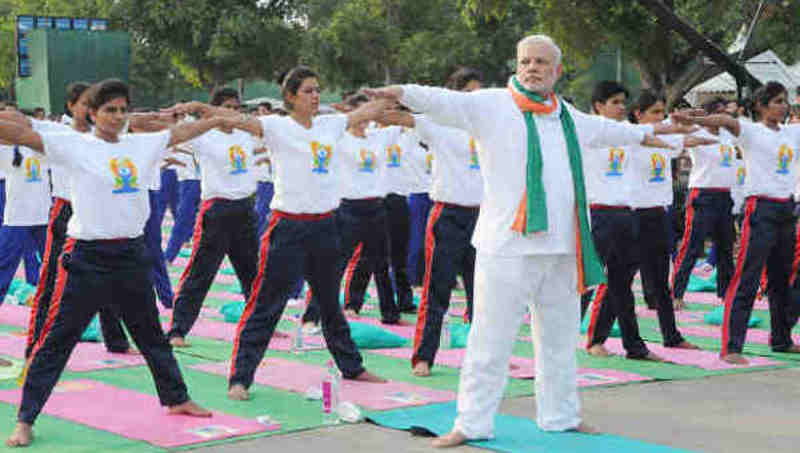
{"x": 541, "y": 39}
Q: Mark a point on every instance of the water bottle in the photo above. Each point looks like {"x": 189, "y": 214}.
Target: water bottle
{"x": 331, "y": 385}
{"x": 444, "y": 341}
{"x": 297, "y": 338}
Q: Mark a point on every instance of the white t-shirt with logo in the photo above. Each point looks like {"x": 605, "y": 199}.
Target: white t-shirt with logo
{"x": 109, "y": 182}
{"x": 27, "y": 188}
{"x": 305, "y": 162}
{"x": 771, "y": 158}
{"x": 610, "y": 178}
{"x": 456, "y": 170}
{"x": 404, "y": 165}
{"x": 226, "y": 164}
{"x": 363, "y": 163}
{"x": 713, "y": 166}
{"x": 652, "y": 168}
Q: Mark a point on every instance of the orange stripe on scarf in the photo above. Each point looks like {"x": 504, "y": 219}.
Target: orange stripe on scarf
{"x": 527, "y": 105}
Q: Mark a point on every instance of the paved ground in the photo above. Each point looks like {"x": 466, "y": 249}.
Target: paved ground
{"x": 747, "y": 413}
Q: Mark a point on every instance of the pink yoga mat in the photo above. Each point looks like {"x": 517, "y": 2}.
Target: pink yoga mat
{"x": 711, "y": 298}
{"x": 226, "y": 331}
{"x": 139, "y": 416}
{"x": 453, "y": 358}
{"x": 702, "y": 298}
{"x": 224, "y": 295}
{"x": 707, "y": 360}
{"x": 756, "y": 336}
{"x": 15, "y": 315}
{"x": 180, "y": 261}
{"x": 524, "y": 367}
{"x": 85, "y": 356}
{"x": 299, "y": 377}
{"x": 680, "y": 316}
{"x": 225, "y": 279}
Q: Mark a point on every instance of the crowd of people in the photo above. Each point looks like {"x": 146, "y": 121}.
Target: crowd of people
{"x": 531, "y": 201}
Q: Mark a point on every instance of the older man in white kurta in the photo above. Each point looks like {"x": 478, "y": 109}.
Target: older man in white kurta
{"x": 515, "y": 270}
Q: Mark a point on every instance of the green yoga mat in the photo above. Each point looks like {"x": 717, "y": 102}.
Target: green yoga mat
{"x": 700, "y": 284}
{"x": 715, "y": 317}
{"x": 512, "y": 434}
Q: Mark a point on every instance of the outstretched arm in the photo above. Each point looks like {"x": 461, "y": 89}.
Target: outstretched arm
{"x": 445, "y": 107}
{"x": 201, "y": 110}
{"x": 187, "y": 131}
{"x": 18, "y": 135}
{"x": 15, "y": 117}
{"x": 370, "y": 111}
{"x": 397, "y": 118}
{"x": 700, "y": 118}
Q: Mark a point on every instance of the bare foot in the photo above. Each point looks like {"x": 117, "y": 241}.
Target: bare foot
{"x": 6, "y": 363}
{"x": 400, "y": 322}
{"x": 685, "y": 345}
{"x": 350, "y": 313}
{"x": 598, "y": 350}
{"x": 678, "y": 304}
{"x": 22, "y": 435}
{"x": 189, "y": 408}
{"x": 793, "y": 349}
{"x": 178, "y": 342}
{"x": 132, "y": 351}
{"x": 237, "y": 392}
{"x": 421, "y": 369}
{"x": 450, "y": 440}
{"x": 512, "y": 367}
{"x": 735, "y": 359}
{"x": 366, "y": 376}
{"x": 279, "y": 334}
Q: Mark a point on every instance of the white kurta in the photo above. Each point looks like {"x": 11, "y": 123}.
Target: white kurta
{"x": 498, "y": 126}
{"x": 513, "y": 270}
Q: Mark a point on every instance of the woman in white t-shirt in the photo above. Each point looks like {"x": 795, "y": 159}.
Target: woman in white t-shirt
{"x": 24, "y": 230}
{"x": 226, "y": 223}
{"x": 60, "y": 212}
{"x": 361, "y": 219}
{"x": 771, "y": 152}
{"x": 104, "y": 260}
{"x": 301, "y": 238}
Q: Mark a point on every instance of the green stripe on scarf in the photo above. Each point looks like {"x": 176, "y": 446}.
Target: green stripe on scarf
{"x": 536, "y": 211}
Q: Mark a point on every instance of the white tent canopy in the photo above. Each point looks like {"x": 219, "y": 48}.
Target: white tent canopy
{"x": 765, "y": 67}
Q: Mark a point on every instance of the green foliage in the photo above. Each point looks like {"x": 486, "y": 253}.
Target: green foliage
{"x": 369, "y": 42}
{"x": 212, "y": 42}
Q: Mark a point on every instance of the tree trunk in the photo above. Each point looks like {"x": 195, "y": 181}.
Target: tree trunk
{"x": 667, "y": 17}
{"x": 696, "y": 74}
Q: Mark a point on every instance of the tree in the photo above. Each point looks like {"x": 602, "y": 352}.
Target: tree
{"x": 668, "y": 56}
{"x": 213, "y": 42}
{"x": 367, "y": 42}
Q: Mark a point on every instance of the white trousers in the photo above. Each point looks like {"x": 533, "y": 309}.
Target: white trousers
{"x": 504, "y": 286}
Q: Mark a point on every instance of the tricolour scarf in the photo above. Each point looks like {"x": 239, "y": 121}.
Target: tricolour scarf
{"x": 531, "y": 214}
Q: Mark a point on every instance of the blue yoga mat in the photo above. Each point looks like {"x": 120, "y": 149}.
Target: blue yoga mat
{"x": 513, "y": 434}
